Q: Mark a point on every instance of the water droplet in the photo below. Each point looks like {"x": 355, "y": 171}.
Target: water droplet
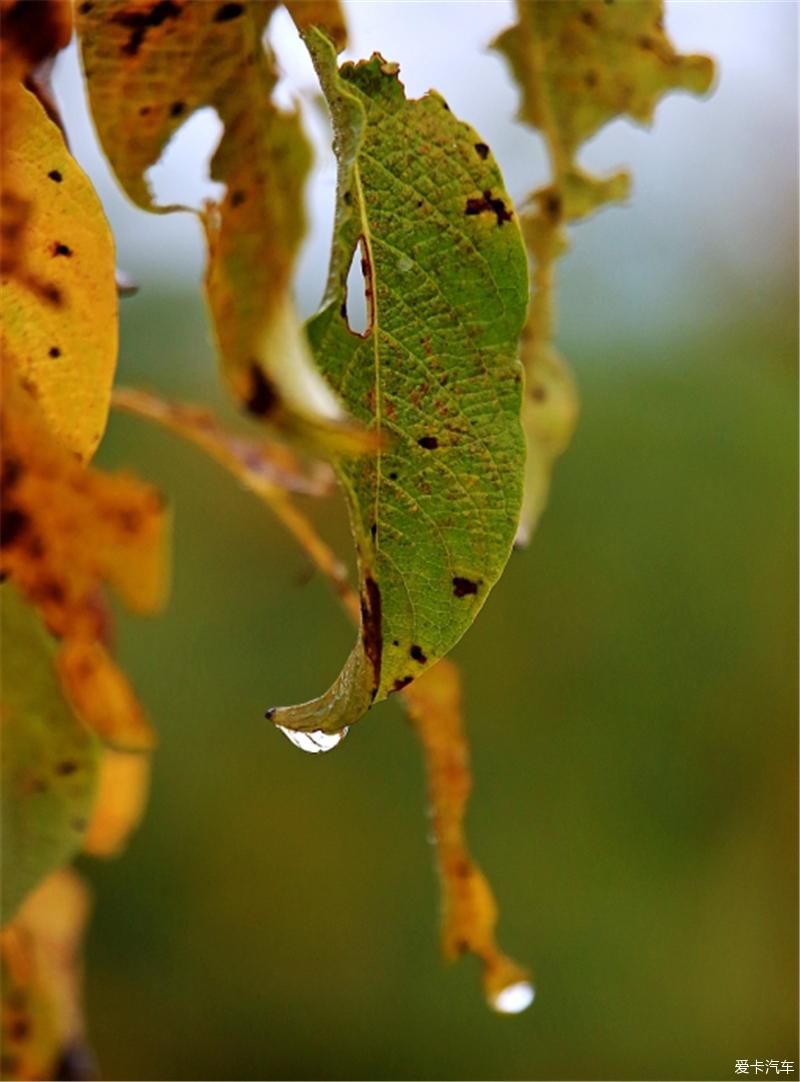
{"x": 313, "y": 742}
{"x": 514, "y": 998}
{"x": 404, "y": 264}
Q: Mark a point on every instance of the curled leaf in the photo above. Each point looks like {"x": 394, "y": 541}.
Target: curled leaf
{"x": 579, "y": 65}
{"x": 49, "y": 758}
{"x": 57, "y": 292}
{"x": 149, "y": 67}
{"x": 434, "y": 375}
{"x": 469, "y": 910}
{"x": 42, "y": 1010}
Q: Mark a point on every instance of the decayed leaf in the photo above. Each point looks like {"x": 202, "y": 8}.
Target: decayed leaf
{"x": 579, "y": 64}
{"x": 269, "y": 470}
{"x": 49, "y": 757}
{"x": 435, "y": 375}
{"x": 42, "y": 1013}
{"x": 31, "y": 32}
{"x": 57, "y": 292}
{"x": 469, "y": 911}
{"x": 260, "y": 465}
{"x": 121, "y": 799}
{"x": 66, "y": 529}
{"x": 148, "y": 66}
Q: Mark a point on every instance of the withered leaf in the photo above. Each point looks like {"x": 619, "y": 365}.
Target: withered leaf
{"x": 469, "y": 910}
{"x": 66, "y": 530}
{"x": 579, "y": 65}
{"x": 148, "y": 67}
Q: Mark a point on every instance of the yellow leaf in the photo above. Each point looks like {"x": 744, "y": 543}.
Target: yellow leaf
{"x": 120, "y": 803}
{"x": 147, "y": 69}
{"x": 42, "y": 1013}
{"x": 469, "y": 910}
{"x": 57, "y": 288}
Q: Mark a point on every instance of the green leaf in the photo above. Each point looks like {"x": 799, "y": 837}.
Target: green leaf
{"x": 436, "y": 374}
{"x": 49, "y": 758}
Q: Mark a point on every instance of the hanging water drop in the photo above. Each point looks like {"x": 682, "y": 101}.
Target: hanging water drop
{"x": 514, "y": 998}
{"x": 313, "y": 742}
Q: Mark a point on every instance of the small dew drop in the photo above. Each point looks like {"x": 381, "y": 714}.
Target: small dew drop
{"x": 514, "y": 998}
{"x": 314, "y": 742}
{"x": 404, "y": 264}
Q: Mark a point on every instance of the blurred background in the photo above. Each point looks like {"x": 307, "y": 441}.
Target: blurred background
{"x": 631, "y": 684}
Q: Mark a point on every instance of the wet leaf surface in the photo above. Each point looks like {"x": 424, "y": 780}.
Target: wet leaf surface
{"x": 435, "y": 375}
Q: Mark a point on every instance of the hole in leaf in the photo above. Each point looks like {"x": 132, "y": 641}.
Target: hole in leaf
{"x": 181, "y": 174}
{"x": 357, "y": 305}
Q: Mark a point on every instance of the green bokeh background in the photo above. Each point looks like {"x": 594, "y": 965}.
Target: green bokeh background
{"x": 631, "y": 696}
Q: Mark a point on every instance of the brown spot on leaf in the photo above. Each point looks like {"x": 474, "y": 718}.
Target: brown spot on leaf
{"x": 487, "y": 202}
{"x": 418, "y": 654}
{"x": 54, "y": 351}
{"x": 482, "y": 151}
{"x": 61, "y": 249}
{"x": 227, "y": 12}
{"x": 400, "y": 683}
{"x": 66, "y": 767}
{"x": 238, "y": 197}
{"x": 55, "y": 175}
{"x": 19, "y": 1029}
{"x": 139, "y": 22}
{"x": 430, "y": 443}
{"x": 263, "y": 397}
{"x": 552, "y": 206}
{"x": 463, "y": 587}
{"x": 372, "y": 627}
{"x": 12, "y": 471}
{"x": 52, "y": 294}
{"x": 13, "y": 524}
{"x": 177, "y": 108}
